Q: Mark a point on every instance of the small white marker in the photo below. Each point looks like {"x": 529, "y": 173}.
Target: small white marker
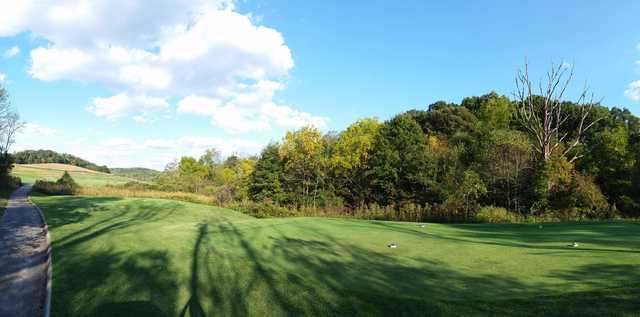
{"x": 392, "y": 245}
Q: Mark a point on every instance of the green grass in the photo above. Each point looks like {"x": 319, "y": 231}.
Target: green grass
{"x": 151, "y": 257}
{"x": 30, "y": 174}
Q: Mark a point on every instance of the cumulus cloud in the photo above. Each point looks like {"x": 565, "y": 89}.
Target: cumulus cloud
{"x": 633, "y": 91}
{"x": 119, "y": 142}
{"x": 123, "y": 104}
{"x": 248, "y": 108}
{"x": 35, "y": 129}
{"x": 2, "y": 77}
{"x": 12, "y": 52}
{"x": 217, "y": 62}
{"x": 127, "y": 152}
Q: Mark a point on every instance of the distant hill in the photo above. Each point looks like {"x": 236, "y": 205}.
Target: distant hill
{"x": 48, "y": 156}
{"x": 139, "y": 173}
{"x": 29, "y": 173}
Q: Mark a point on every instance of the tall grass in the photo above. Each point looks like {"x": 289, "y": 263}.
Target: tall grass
{"x": 145, "y": 193}
{"x": 408, "y": 212}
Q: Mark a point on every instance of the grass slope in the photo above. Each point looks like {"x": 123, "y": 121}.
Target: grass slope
{"x": 140, "y": 173}
{"x": 152, "y": 257}
{"x": 29, "y": 173}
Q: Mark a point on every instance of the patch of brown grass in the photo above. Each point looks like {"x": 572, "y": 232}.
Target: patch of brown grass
{"x": 143, "y": 193}
{"x": 60, "y": 167}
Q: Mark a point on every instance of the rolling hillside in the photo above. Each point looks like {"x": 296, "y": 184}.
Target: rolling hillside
{"x": 48, "y": 156}
{"x": 139, "y": 173}
{"x": 29, "y": 173}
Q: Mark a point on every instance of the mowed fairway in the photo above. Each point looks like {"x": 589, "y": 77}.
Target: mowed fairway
{"x": 29, "y": 173}
{"x": 146, "y": 257}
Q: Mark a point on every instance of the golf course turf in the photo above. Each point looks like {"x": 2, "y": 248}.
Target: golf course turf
{"x": 150, "y": 257}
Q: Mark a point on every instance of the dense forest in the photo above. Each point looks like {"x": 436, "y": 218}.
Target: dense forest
{"x": 48, "y": 156}
{"x": 446, "y": 162}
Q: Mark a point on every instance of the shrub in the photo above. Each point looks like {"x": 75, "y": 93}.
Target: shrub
{"x": 628, "y": 206}
{"x": 63, "y": 186}
{"x": 52, "y": 188}
{"x": 67, "y": 180}
{"x": 493, "y": 214}
{"x": 262, "y": 210}
{"x": 589, "y": 200}
{"x": 10, "y": 182}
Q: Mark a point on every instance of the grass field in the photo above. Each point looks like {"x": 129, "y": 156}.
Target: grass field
{"x": 29, "y": 173}
{"x": 152, "y": 257}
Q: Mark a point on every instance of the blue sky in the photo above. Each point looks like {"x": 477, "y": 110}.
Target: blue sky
{"x": 141, "y": 85}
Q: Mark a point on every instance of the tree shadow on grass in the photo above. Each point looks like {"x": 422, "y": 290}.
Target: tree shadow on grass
{"x": 89, "y": 281}
{"x": 612, "y": 234}
{"x": 74, "y": 210}
{"x": 325, "y": 276}
{"x": 238, "y": 271}
{"x": 515, "y": 236}
{"x": 108, "y": 283}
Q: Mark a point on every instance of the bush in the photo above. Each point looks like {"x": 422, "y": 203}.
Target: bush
{"x": 589, "y": 200}
{"x": 67, "y": 180}
{"x": 10, "y": 182}
{"x": 628, "y": 206}
{"x": 63, "y": 186}
{"x": 52, "y": 188}
{"x": 262, "y": 210}
{"x": 493, "y": 214}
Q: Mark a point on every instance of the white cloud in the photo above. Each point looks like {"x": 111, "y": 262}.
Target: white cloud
{"x": 633, "y": 91}
{"x": 159, "y": 144}
{"x": 50, "y": 64}
{"x": 12, "y": 52}
{"x": 156, "y": 153}
{"x": 119, "y": 142}
{"x": 225, "y": 146}
{"x": 219, "y": 62}
{"x": 123, "y": 104}
{"x": 248, "y": 108}
{"x": 83, "y": 23}
{"x": 76, "y": 141}
{"x": 2, "y": 77}
{"x": 35, "y": 129}
{"x": 198, "y": 105}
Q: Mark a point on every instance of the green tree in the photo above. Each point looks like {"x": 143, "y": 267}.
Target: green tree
{"x": 192, "y": 174}
{"x": 505, "y": 159}
{"x": 304, "y": 158}
{"x": 349, "y": 158}
{"x": 552, "y": 184}
{"x": 401, "y": 168}
{"x": 465, "y": 199}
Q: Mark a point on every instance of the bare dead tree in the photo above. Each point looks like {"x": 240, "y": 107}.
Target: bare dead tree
{"x": 10, "y": 123}
{"x": 543, "y": 116}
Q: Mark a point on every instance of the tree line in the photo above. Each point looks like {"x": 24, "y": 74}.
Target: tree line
{"x": 48, "y": 156}
{"x": 534, "y": 155}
